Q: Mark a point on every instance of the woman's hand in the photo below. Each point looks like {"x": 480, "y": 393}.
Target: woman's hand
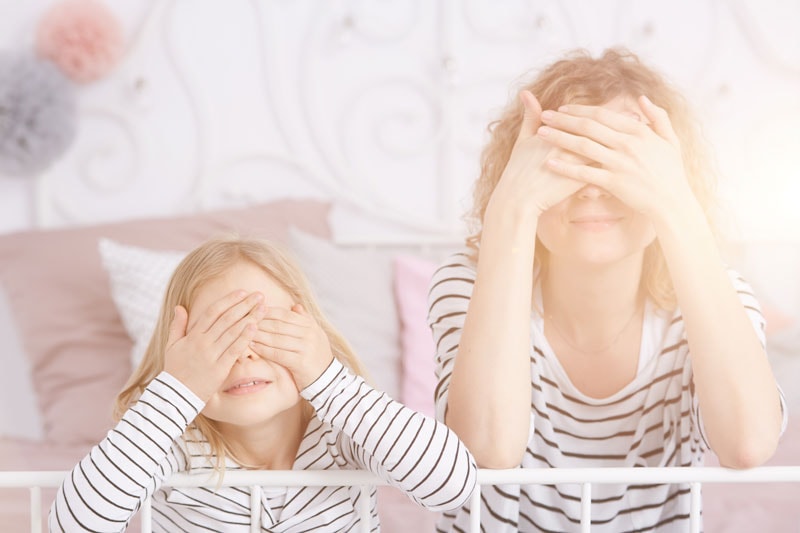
{"x": 526, "y": 178}
{"x": 294, "y": 340}
{"x": 640, "y": 164}
{"x": 202, "y": 356}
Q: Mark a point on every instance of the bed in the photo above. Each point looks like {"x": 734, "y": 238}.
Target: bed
{"x": 74, "y": 311}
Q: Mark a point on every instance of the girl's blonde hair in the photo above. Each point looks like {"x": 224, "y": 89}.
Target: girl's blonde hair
{"x": 205, "y": 263}
{"x": 579, "y": 78}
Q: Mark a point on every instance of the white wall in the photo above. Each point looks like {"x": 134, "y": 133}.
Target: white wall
{"x": 384, "y": 103}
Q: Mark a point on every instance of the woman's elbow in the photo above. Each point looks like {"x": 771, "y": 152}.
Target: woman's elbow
{"x": 498, "y": 457}
{"x": 491, "y": 449}
{"x": 749, "y": 453}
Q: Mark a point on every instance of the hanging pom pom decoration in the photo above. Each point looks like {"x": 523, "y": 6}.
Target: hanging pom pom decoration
{"x": 37, "y": 114}
{"x": 82, "y": 37}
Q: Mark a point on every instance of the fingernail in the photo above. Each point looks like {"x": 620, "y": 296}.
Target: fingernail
{"x": 544, "y": 131}
{"x": 548, "y": 115}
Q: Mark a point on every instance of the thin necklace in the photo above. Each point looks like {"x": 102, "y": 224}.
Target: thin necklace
{"x": 598, "y": 350}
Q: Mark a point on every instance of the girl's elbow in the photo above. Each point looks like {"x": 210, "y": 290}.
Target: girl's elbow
{"x": 458, "y": 497}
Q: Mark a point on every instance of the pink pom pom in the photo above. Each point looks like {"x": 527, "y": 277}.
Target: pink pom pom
{"x": 82, "y": 37}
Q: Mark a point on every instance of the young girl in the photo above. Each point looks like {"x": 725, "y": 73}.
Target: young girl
{"x": 243, "y": 371}
{"x": 591, "y": 321}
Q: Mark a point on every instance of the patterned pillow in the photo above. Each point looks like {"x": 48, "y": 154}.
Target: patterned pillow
{"x": 139, "y": 279}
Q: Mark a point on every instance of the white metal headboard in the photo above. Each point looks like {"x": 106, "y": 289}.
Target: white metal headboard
{"x": 381, "y": 107}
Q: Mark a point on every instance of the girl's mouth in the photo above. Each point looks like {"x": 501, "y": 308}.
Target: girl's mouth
{"x": 247, "y": 386}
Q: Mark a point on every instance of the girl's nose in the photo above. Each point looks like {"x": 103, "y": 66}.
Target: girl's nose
{"x": 592, "y": 192}
{"x": 246, "y": 355}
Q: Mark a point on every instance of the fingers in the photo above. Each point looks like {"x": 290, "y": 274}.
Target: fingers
{"x": 531, "y": 119}
{"x": 213, "y": 311}
{"x": 234, "y": 314}
{"x": 244, "y": 326}
{"x": 240, "y": 344}
{"x": 659, "y": 120}
{"x": 583, "y": 173}
{"x": 277, "y": 341}
{"x": 177, "y": 328}
{"x": 578, "y": 144}
{"x": 613, "y": 120}
{"x": 283, "y": 330}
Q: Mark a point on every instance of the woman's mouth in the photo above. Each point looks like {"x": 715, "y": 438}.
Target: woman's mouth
{"x": 596, "y": 222}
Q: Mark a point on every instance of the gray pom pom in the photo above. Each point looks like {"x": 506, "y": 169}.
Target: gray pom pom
{"x": 37, "y": 114}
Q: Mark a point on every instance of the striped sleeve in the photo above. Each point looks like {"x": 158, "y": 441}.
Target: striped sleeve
{"x": 448, "y": 301}
{"x": 407, "y": 449}
{"x": 104, "y": 491}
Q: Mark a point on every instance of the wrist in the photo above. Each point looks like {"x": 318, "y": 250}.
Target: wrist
{"x": 512, "y": 218}
{"x": 670, "y": 222}
{"x": 323, "y": 381}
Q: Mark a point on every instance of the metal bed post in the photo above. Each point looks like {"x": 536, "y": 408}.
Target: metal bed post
{"x": 36, "y": 509}
{"x": 586, "y": 507}
{"x": 696, "y": 506}
{"x": 255, "y": 508}
{"x": 147, "y": 515}
{"x": 475, "y": 510}
{"x": 364, "y": 511}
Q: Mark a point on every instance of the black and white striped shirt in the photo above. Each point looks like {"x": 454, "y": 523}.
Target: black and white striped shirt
{"x": 356, "y": 427}
{"x": 652, "y": 421}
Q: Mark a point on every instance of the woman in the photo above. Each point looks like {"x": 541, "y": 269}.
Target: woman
{"x": 592, "y": 322}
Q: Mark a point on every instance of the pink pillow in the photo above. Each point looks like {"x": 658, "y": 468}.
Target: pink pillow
{"x": 412, "y": 277}
{"x": 70, "y": 329}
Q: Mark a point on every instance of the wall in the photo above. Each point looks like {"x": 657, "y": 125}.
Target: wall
{"x": 383, "y": 105}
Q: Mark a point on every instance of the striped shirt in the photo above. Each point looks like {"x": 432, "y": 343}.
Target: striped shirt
{"x": 653, "y": 421}
{"x": 356, "y": 427}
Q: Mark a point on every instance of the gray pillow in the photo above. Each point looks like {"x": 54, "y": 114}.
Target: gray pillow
{"x": 354, "y": 289}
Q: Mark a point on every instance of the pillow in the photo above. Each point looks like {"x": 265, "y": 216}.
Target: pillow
{"x": 354, "y": 289}
{"x": 19, "y": 413}
{"x": 139, "y": 279}
{"x": 70, "y": 330}
{"x": 412, "y": 276}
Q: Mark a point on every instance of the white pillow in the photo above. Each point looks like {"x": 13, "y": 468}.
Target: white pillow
{"x": 139, "y": 279}
{"x": 19, "y": 410}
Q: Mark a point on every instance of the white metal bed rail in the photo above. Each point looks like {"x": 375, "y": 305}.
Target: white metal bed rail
{"x": 586, "y": 477}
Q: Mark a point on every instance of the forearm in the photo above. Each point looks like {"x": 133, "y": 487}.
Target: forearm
{"x": 489, "y": 393}
{"x": 737, "y": 392}
{"x": 106, "y": 488}
{"x": 408, "y": 449}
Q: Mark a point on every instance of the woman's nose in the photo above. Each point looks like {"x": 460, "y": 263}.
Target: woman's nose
{"x": 592, "y": 192}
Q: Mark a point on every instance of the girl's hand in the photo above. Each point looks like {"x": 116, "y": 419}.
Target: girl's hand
{"x": 201, "y": 358}
{"x": 294, "y": 340}
{"x": 640, "y": 164}
{"x": 526, "y": 178}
